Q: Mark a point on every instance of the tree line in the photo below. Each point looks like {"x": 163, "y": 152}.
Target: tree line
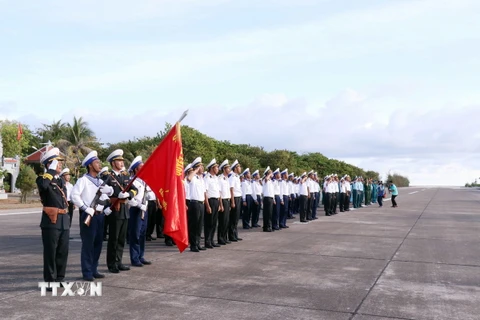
{"x": 76, "y": 139}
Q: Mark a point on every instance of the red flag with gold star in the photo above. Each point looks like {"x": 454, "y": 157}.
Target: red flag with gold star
{"x": 163, "y": 172}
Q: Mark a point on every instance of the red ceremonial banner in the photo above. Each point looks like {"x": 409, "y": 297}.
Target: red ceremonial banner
{"x": 163, "y": 172}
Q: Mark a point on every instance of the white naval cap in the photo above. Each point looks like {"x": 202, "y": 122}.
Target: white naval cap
{"x": 92, "y": 156}
{"x": 284, "y": 171}
{"x": 255, "y": 173}
{"x": 64, "y": 171}
{"x": 115, "y": 155}
{"x": 266, "y": 171}
{"x": 245, "y": 171}
{"x": 291, "y": 174}
{"x": 276, "y": 171}
{"x": 234, "y": 164}
{"x": 104, "y": 169}
{"x": 303, "y": 175}
{"x": 224, "y": 164}
{"x": 52, "y": 154}
{"x": 188, "y": 167}
{"x": 135, "y": 163}
{"x": 310, "y": 172}
{"x": 197, "y": 161}
{"x": 212, "y": 163}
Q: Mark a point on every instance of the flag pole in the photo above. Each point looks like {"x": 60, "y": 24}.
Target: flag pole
{"x": 184, "y": 114}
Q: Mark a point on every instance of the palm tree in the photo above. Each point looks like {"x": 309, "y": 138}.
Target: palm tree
{"x": 78, "y": 142}
{"x": 52, "y": 132}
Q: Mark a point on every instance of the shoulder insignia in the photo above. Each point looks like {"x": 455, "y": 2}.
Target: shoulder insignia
{"x": 125, "y": 173}
{"x": 47, "y": 176}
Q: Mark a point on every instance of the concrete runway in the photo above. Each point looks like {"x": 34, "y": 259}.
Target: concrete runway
{"x": 418, "y": 261}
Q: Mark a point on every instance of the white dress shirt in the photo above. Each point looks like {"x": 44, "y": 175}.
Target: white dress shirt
{"x": 197, "y": 188}
{"x": 235, "y": 184}
{"x": 284, "y": 189}
{"x": 69, "y": 187}
{"x": 256, "y": 189}
{"x": 186, "y": 184}
{"x": 276, "y": 187}
{"x": 224, "y": 187}
{"x": 268, "y": 188}
{"x": 303, "y": 188}
{"x": 246, "y": 189}
{"x": 212, "y": 185}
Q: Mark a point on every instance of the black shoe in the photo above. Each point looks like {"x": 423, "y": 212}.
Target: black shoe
{"x": 257, "y": 226}
{"x": 146, "y": 262}
{"x": 123, "y": 267}
{"x": 88, "y": 279}
{"x": 98, "y": 276}
{"x": 194, "y": 250}
{"x": 160, "y": 236}
{"x": 239, "y": 239}
{"x": 148, "y": 238}
{"x": 49, "y": 289}
{"x": 233, "y": 240}
{"x": 228, "y": 242}
{"x": 286, "y": 227}
{"x": 221, "y": 243}
{"x": 216, "y": 245}
{"x": 113, "y": 270}
{"x": 105, "y": 239}
{"x": 202, "y": 248}
{"x": 138, "y": 264}
{"x": 276, "y": 228}
{"x": 169, "y": 244}
{"x": 70, "y": 238}
{"x": 315, "y": 218}
{"x": 209, "y": 246}
{"x": 246, "y": 227}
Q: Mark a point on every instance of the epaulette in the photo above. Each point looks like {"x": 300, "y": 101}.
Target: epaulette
{"x": 47, "y": 176}
{"x": 125, "y": 173}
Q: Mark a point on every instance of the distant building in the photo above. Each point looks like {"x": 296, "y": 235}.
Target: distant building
{"x": 12, "y": 166}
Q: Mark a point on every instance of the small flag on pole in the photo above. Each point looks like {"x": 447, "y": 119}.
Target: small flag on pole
{"x": 19, "y": 132}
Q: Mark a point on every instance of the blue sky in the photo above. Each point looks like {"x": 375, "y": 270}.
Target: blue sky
{"x": 386, "y": 85}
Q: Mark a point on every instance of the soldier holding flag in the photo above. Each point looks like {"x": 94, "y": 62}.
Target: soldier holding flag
{"x": 138, "y": 221}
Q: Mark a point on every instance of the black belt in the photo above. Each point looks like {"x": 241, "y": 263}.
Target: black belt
{"x": 196, "y": 201}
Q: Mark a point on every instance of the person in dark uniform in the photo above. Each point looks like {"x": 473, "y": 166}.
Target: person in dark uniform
{"x": 152, "y": 209}
{"x": 55, "y": 223}
{"x": 118, "y": 179}
{"x": 303, "y": 193}
{"x": 91, "y": 196}
{"x": 268, "y": 199}
{"x": 224, "y": 205}
{"x": 196, "y": 210}
{"x": 212, "y": 187}
{"x": 236, "y": 201}
{"x": 137, "y": 223}
{"x": 65, "y": 175}
{"x": 257, "y": 198}
{"x": 103, "y": 175}
{"x": 247, "y": 199}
